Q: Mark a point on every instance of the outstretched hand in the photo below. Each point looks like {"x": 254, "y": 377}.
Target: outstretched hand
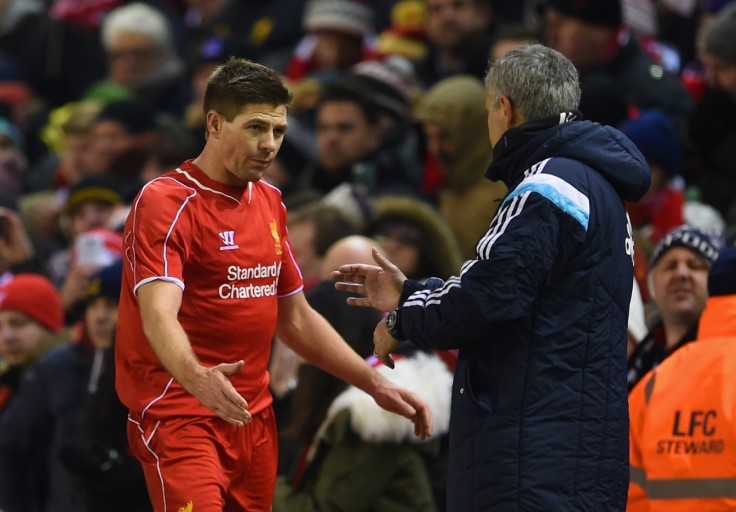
{"x": 407, "y": 404}
{"x": 215, "y": 391}
{"x": 379, "y": 285}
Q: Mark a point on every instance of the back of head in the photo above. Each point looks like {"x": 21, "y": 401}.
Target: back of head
{"x": 539, "y": 81}
{"x": 719, "y": 38}
{"x": 239, "y": 82}
{"x": 350, "y": 249}
{"x": 656, "y": 137}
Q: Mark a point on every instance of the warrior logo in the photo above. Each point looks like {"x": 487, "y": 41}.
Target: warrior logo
{"x": 228, "y": 239}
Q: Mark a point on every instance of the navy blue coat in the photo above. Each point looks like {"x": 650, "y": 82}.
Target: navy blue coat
{"x": 539, "y": 414}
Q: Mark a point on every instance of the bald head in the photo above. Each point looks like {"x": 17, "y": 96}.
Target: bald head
{"x": 350, "y": 249}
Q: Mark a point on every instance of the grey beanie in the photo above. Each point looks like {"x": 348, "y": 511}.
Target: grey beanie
{"x": 719, "y": 38}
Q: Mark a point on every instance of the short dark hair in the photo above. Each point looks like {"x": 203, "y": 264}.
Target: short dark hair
{"x": 239, "y": 82}
{"x": 336, "y": 92}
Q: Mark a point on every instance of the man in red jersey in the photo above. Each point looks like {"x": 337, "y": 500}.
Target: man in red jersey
{"x": 209, "y": 278}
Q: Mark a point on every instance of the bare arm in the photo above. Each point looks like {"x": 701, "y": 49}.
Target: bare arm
{"x": 159, "y": 303}
{"x": 313, "y": 338}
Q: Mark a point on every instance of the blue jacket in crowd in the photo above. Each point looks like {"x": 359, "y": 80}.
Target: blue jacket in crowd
{"x": 539, "y": 414}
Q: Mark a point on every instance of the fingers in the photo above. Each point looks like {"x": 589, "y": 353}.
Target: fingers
{"x": 382, "y": 261}
{"x": 229, "y": 369}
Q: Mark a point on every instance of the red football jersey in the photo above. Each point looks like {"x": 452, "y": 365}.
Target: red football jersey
{"x": 227, "y": 248}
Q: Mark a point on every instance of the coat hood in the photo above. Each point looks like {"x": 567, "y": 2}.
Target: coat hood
{"x": 603, "y": 148}
{"x": 424, "y": 374}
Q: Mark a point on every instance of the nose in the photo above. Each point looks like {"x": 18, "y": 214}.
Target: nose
{"x": 268, "y": 142}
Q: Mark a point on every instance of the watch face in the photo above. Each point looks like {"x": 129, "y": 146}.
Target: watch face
{"x": 391, "y": 320}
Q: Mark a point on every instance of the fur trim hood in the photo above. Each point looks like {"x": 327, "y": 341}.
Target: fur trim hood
{"x": 422, "y": 373}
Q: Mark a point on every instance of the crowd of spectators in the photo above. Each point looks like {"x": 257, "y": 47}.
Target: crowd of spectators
{"x": 387, "y": 138}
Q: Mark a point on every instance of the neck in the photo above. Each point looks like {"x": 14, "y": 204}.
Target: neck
{"x": 674, "y": 332}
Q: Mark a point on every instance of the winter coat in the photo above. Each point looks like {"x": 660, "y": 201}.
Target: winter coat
{"x": 683, "y": 426}
{"x": 365, "y": 459}
{"x": 47, "y": 405}
{"x": 540, "y": 412}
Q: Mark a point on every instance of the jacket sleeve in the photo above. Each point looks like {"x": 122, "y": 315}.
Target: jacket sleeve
{"x": 638, "y": 499}
{"x": 24, "y": 428}
{"x": 515, "y": 258}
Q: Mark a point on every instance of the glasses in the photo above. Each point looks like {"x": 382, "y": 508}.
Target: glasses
{"x": 133, "y": 54}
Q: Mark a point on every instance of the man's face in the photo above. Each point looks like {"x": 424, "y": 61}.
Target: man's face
{"x": 441, "y": 145}
{"x": 680, "y": 284}
{"x": 721, "y": 74}
{"x": 248, "y": 144}
{"x": 344, "y": 135}
{"x": 90, "y": 215}
{"x": 580, "y": 42}
{"x": 107, "y": 140}
{"x": 301, "y": 239}
{"x": 20, "y": 337}
{"x": 100, "y": 318}
{"x": 451, "y": 24}
{"x": 132, "y": 59}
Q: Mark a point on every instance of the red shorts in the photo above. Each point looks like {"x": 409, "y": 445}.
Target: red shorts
{"x": 206, "y": 464}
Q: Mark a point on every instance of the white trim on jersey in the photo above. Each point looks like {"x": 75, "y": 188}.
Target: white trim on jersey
{"x": 194, "y": 180}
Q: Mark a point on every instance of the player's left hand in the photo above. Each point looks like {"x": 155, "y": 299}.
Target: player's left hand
{"x": 407, "y": 404}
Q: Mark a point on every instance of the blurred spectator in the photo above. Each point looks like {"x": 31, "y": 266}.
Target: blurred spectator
{"x": 415, "y": 237}
{"x": 342, "y": 436}
{"x": 682, "y": 414}
{"x": 17, "y": 252}
{"x": 678, "y": 276}
{"x": 142, "y": 59}
{"x": 459, "y": 33}
{"x": 67, "y": 136}
{"x": 508, "y": 37}
{"x": 313, "y": 228}
{"x": 662, "y": 208}
{"x": 58, "y": 58}
{"x": 31, "y": 316}
{"x": 363, "y": 136}
{"x": 456, "y": 131}
{"x": 405, "y": 35}
{"x": 46, "y": 412}
{"x": 13, "y": 163}
{"x": 262, "y": 31}
{"x": 712, "y": 130}
{"x": 339, "y": 33}
{"x": 592, "y": 35}
{"x": 90, "y": 244}
{"x": 118, "y": 127}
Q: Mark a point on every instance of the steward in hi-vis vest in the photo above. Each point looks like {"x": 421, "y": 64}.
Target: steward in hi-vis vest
{"x": 683, "y": 414}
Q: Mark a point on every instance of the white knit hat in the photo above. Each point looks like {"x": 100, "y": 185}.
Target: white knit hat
{"x": 351, "y": 17}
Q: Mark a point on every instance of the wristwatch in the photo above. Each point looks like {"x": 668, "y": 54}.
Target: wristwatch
{"x": 392, "y": 324}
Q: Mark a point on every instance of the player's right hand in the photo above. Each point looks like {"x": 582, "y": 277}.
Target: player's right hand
{"x": 216, "y": 392}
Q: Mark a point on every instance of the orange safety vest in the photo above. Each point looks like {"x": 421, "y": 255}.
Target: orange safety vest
{"x": 683, "y": 423}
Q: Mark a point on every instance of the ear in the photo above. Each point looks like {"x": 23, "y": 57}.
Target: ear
{"x": 214, "y": 123}
{"x": 507, "y": 112}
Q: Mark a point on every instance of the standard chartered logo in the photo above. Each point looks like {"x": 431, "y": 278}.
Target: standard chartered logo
{"x": 232, "y": 290}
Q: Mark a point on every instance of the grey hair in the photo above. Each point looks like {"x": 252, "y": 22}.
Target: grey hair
{"x": 539, "y": 81}
{"x": 138, "y": 18}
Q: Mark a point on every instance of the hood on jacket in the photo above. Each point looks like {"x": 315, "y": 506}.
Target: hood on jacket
{"x": 424, "y": 374}
{"x": 456, "y": 104}
{"x": 602, "y": 148}
{"x": 439, "y": 243}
